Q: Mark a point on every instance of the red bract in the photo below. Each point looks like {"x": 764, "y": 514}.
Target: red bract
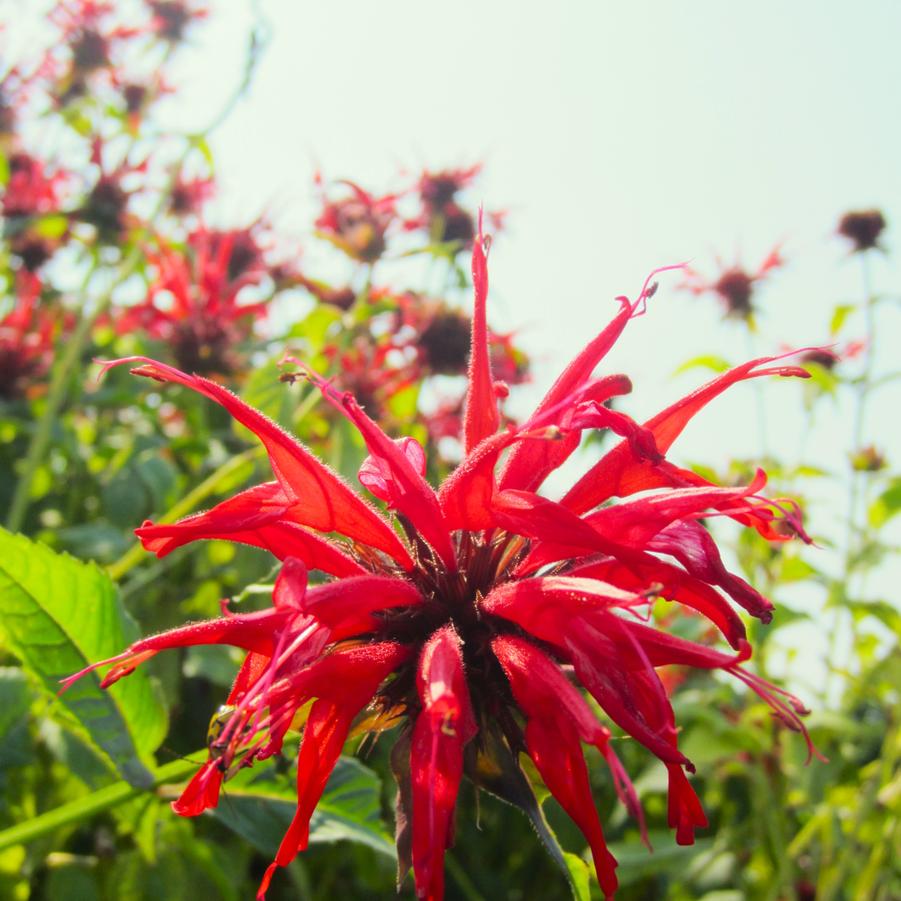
{"x": 195, "y": 304}
{"x": 734, "y": 286}
{"x": 474, "y": 612}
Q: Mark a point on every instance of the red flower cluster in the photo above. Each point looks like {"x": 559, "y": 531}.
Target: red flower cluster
{"x": 357, "y": 223}
{"x": 196, "y": 303}
{"x": 441, "y": 215}
{"x": 31, "y": 192}
{"x": 27, "y": 335}
{"x": 473, "y": 612}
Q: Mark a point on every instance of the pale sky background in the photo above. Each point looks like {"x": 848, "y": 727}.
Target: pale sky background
{"x": 620, "y": 136}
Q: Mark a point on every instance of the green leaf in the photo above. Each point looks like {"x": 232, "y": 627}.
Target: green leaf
{"x": 497, "y": 771}
{"x": 53, "y": 226}
{"x": 58, "y": 615}
{"x": 839, "y": 315}
{"x": 886, "y": 505}
{"x": 794, "y": 569}
{"x": 707, "y": 361}
{"x": 260, "y": 806}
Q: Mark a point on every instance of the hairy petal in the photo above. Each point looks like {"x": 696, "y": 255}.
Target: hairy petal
{"x": 343, "y": 682}
{"x": 529, "y": 465}
{"x": 347, "y": 605}
{"x": 322, "y": 500}
{"x": 480, "y": 416}
{"x": 256, "y": 517}
{"x": 399, "y": 474}
{"x": 442, "y": 728}
{"x": 557, "y": 718}
{"x": 620, "y": 472}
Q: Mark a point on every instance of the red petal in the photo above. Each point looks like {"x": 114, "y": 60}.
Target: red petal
{"x": 377, "y": 478}
{"x": 253, "y": 517}
{"x": 344, "y": 682}
{"x": 480, "y": 416}
{"x": 321, "y": 499}
{"x": 529, "y": 465}
{"x": 466, "y": 495}
{"x": 552, "y": 739}
{"x": 552, "y": 605}
{"x": 620, "y": 472}
{"x": 638, "y": 571}
{"x": 290, "y": 587}
{"x": 635, "y": 523}
{"x": 202, "y": 792}
{"x": 628, "y": 691}
{"x": 346, "y": 606}
{"x": 443, "y": 727}
{"x": 410, "y": 493}
{"x": 693, "y": 546}
{"x": 684, "y": 811}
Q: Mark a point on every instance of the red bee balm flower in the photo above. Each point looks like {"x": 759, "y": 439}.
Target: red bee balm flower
{"x": 473, "y": 613}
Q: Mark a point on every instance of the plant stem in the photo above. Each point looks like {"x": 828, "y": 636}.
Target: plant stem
{"x": 97, "y": 802}
{"x": 856, "y": 532}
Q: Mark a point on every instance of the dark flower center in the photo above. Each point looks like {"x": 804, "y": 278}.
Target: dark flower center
{"x": 735, "y": 287}
{"x": 445, "y": 343}
{"x": 90, "y": 51}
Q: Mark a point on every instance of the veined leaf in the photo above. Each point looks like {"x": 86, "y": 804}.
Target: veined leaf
{"x": 58, "y": 615}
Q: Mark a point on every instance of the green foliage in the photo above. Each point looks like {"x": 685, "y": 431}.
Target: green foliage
{"x": 58, "y": 615}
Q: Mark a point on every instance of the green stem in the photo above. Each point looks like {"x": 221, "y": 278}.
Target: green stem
{"x": 135, "y": 554}
{"x": 84, "y": 808}
{"x": 59, "y": 384}
{"x": 856, "y": 530}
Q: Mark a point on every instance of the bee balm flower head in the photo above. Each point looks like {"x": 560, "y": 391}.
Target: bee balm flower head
{"x": 480, "y": 613}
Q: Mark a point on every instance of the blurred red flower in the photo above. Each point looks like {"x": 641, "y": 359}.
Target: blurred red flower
{"x": 357, "y": 223}
{"x": 197, "y": 302}
{"x": 27, "y": 336}
{"x": 734, "y": 286}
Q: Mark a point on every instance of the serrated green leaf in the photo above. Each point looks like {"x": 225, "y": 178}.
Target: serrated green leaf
{"x": 260, "y": 807}
{"x": 58, "y": 615}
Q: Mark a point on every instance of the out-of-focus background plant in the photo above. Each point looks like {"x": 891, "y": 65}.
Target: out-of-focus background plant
{"x": 113, "y": 244}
